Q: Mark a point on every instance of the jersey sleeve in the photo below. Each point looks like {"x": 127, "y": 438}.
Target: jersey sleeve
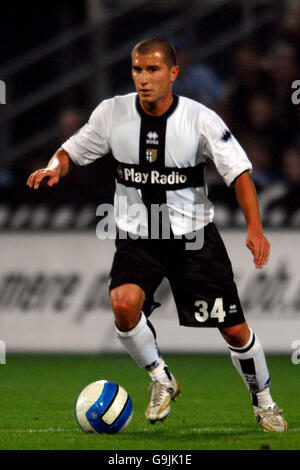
{"x": 223, "y": 148}
{"x": 90, "y": 142}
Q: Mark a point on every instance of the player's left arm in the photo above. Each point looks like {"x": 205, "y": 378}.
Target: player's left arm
{"x": 247, "y": 199}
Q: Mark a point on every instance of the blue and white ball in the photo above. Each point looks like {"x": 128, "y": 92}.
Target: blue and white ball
{"x": 103, "y": 407}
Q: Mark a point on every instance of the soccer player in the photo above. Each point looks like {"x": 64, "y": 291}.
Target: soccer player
{"x": 161, "y": 143}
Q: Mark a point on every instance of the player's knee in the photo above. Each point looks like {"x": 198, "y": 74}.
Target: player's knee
{"x": 236, "y": 335}
{"x": 127, "y": 308}
{"x": 124, "y": 306}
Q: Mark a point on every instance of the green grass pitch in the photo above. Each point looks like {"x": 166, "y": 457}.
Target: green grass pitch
{"x": 214, "y": 411}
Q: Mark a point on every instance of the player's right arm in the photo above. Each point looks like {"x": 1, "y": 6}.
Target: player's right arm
{"x": 58, "y": 166}
{"x": 85, "y": 146}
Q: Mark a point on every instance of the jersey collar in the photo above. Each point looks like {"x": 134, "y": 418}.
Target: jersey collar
{"x": 162, "y": 116}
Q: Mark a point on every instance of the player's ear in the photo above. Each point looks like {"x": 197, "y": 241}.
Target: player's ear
{"x": 174, "y": 72}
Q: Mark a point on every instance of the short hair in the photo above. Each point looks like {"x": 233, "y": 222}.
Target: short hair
{"x": 158, "y": 42}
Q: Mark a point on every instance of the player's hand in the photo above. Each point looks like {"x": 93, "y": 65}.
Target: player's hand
{"x": 38, "y": 176}
{"x": 260, "y": 248}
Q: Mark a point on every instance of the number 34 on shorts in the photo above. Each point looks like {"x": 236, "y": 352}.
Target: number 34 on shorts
{"x": 212, "y": 312}
{"x": 202, "y": 312}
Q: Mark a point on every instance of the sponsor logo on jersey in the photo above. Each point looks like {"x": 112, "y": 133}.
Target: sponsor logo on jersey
{"x": 152, "y": 138}
{"x": 154, "y": 177}
{"x": 226, "y": 135}
{"x": 151, "y": 155}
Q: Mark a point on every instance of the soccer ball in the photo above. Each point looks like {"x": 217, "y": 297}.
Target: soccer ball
{"x": 103, "y": 407}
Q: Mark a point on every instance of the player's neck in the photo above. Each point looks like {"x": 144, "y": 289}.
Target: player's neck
{"x": 158, "y": 108}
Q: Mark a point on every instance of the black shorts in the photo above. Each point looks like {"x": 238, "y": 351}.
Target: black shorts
{"x": 201, "y": 280}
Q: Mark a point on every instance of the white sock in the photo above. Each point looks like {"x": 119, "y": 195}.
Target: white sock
{"x": 250, "y": 363}
{"x": 161, "y": 373}
{"x": 263, "y": 398}
{"x": 141, "y": 344}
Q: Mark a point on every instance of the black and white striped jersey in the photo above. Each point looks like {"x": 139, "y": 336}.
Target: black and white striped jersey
{"x": 160, "y": 160}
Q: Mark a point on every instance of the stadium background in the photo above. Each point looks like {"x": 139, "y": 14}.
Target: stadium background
{"x": 58, "y": 60}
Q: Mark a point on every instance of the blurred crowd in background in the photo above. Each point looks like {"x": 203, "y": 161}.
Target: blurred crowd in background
{"x": 249, "y": 85}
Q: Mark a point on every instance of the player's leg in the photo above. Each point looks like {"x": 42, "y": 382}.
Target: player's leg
{"x": 138, "y": 336}
{"x": 249, "y": 359}
{"x": 133, "y": 329}
{"x": 207, "y": 296}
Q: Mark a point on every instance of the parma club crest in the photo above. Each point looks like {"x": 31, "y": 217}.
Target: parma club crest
{"x": 151, "y": 155}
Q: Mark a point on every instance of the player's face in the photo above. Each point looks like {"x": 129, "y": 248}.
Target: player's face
{"x": 152, "y": 77}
